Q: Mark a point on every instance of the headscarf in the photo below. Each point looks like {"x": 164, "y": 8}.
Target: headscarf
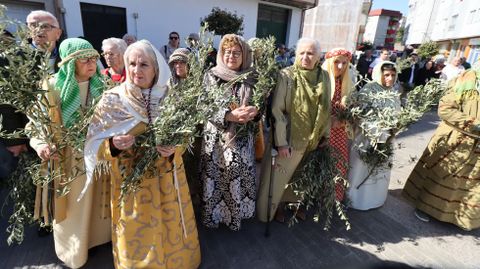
{"x": 245, "y": 89}
{"x": 310, "y": 105}
{"x": 377, "y": 73}
{"x": 227, "y": 74}
{"x": 121, "y": 109}
{"x": 72, "y": 49}
{"x": 329, "y": 66}
{"x": 468, "y": 81}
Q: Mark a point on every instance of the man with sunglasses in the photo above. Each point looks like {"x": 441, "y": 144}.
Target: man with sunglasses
{"x": 173, "y": 44}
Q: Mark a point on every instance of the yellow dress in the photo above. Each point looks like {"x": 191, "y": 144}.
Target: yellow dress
{"x": 151, "y": 230}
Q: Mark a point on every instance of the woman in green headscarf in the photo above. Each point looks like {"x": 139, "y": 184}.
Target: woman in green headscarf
{"x": 445, "y": 183}
{"x": 77, "y": 224}
{"x": 301, "y": 115}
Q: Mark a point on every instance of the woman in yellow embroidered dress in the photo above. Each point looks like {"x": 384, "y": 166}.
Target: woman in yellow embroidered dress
{"x": 155, "y": 227}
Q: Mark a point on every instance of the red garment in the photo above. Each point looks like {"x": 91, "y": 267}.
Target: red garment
{"x": 339, "y": 139}
{"x": 115, "y": 77}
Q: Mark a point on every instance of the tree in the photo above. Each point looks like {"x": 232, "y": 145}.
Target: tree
{"x": 428, "y": 49}
{"x": 400, "y": 34}
{"x": 223, "y": 22}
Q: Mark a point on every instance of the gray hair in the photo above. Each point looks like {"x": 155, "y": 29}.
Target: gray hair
{"x": 147, "y": 50}
{"x": 43, "y": 13}
{"x": 117, "y": 43}
{"x": 125, "y": 36}
{"x": 308, "y": 40}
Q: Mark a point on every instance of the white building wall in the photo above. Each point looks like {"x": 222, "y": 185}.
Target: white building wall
{"x": 381, "y": 33}
{"x": 371, "y": 28}
{"x": 457, "y": 19}
{"x": 420, "y": 19}
{"x": 156, "y": 19}
{"x": 335, "y": 23}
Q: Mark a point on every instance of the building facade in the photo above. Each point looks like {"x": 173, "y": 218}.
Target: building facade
{"x": 96, "y": 20}
{"x": 453, "y": 24}
{"x": 381, "y": 28}
{"x": 337, "y": 23}
{"x": 420, "y": 21}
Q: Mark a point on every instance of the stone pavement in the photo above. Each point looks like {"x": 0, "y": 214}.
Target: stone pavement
{"x": 388, "y": 237}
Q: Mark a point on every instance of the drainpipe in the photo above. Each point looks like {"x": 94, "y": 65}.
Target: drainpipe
{"x": 60, "y": 8}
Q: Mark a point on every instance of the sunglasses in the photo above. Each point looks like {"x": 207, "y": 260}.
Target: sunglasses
{"x": 173, "y": 37}
{"x": 92, "y": 59}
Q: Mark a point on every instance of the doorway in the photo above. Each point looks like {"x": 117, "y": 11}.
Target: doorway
{"x": 273, "y": 21}
{"x": 101, "y": 22}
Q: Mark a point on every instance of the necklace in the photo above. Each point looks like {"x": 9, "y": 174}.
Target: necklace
{"x": 147, "y": 105}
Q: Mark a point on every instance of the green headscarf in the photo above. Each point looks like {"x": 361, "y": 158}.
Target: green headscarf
{"x": 467, "y": 81}
{"x": 70, "y": 50}
{"x": 310, "y": 106}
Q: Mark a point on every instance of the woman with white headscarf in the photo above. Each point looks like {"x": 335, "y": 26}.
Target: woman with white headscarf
{"x": 155, "y": 226}
{"x": 368, "y": 185}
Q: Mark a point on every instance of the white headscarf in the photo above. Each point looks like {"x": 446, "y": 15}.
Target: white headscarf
{"x": 117, "y": 114}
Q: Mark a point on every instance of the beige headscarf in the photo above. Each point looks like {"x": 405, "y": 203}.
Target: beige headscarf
{"x": 122, "y": 108}
{"x": 226, "y": 74}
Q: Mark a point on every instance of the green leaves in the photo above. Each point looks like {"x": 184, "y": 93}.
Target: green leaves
{"x": 314, "y": 184}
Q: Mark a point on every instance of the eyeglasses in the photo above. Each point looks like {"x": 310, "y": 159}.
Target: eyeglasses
{"x": 41, "y": 25}
{"x": 92, "y": 59}
{"x": 109, "y": 54}
{"x": 173, "y": 37}
{"x": 235, "y": 54}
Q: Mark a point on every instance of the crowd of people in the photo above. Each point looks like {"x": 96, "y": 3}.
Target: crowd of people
{"x": 155, "y": 227}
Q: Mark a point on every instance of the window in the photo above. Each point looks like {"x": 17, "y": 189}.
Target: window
{"x": 453, "y": 23}
{"x": 471, "y": 17}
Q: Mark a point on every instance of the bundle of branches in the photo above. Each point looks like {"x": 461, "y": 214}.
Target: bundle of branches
{"x": 315, "y": 182}
{"x": 21, "y": 193}
{"x": 186, "y": 106}
{"x": 265, "y": 69}
{"x": 379, "y": 119}
{"x": 23, "y": 69}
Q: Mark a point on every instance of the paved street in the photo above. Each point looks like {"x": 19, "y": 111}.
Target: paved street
{"x": 389, "y": 236}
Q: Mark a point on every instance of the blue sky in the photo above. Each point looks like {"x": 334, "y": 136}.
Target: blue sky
{"x": 398, "y": 5}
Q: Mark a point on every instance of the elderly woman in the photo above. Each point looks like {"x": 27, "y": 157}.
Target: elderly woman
{"x": 337, "y": 63}
{"x": 155, "y": 226}
{"x": 368, "y": 186}
{"x": 113, "y": 50}
{"x": 228, "y": 165}
{"x": 77, "y": 225}
{"x": 444, "y": 184}
{"x": 301, "y": 113}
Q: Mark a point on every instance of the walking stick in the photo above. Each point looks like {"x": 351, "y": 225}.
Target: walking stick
{"x": 274, "y": 154}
